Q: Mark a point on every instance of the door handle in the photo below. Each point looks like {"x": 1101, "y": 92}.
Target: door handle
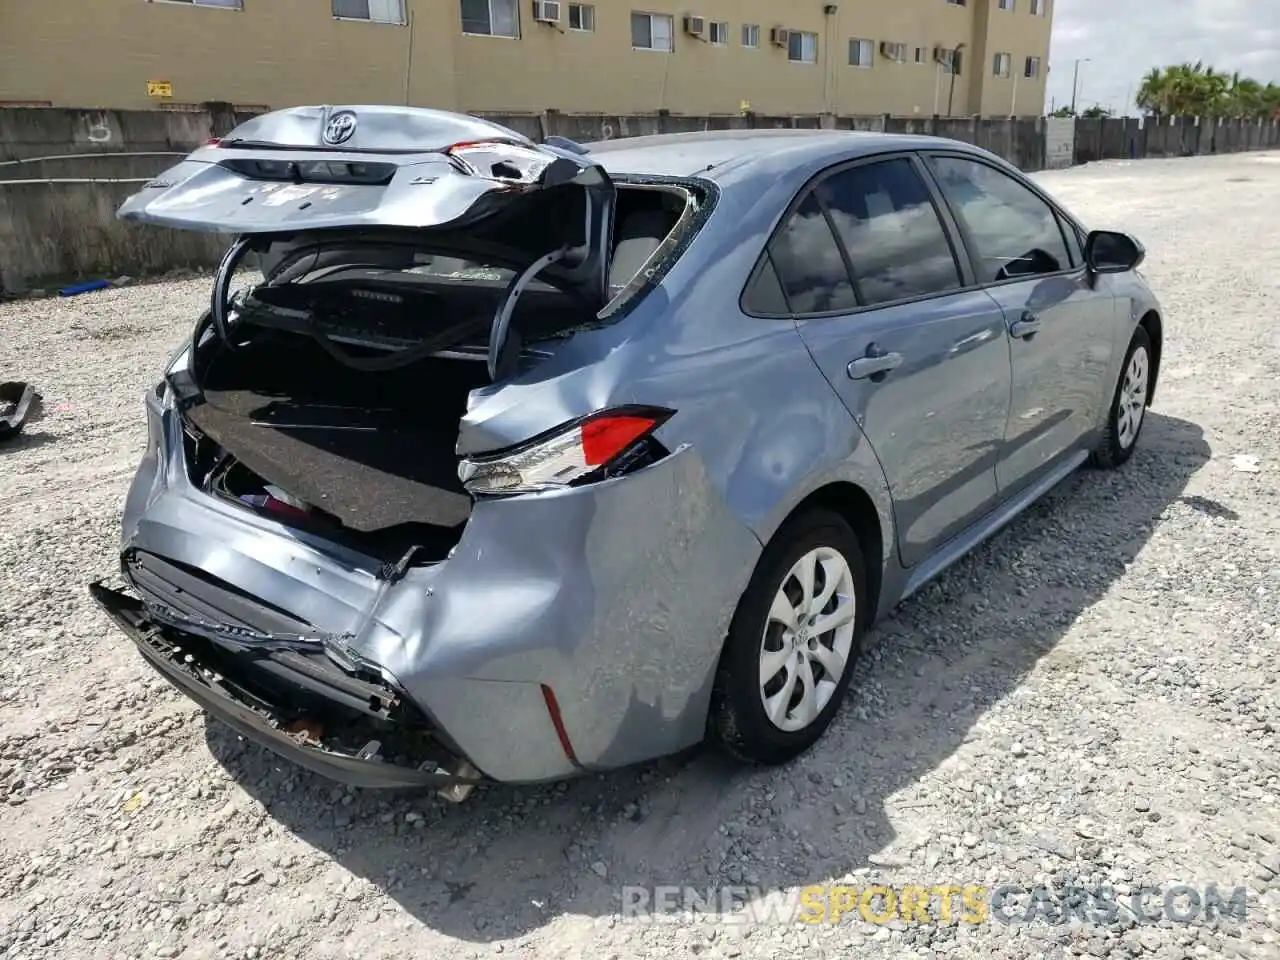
{"x": 874, "y": 365}
{"x": 1025, "y": 327}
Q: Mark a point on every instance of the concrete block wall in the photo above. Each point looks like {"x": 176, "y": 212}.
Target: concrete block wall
{"x": 63, "y": 173}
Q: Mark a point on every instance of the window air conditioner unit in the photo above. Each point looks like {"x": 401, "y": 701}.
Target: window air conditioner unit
{"x": 546, "y": 11}
{"x": 780, "y": 36}
{"x": 695, "y": 25}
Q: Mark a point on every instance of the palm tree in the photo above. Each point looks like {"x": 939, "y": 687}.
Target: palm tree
{"x": 1153, "y": 93}
{"x": 1269, "y": 102}
{"x": 1192, "y": 89}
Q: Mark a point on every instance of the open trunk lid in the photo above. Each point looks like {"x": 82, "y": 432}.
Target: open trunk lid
{"x": 318, "y": 168}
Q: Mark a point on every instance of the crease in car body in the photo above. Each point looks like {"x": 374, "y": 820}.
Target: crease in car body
{"x": 486, "y": 479}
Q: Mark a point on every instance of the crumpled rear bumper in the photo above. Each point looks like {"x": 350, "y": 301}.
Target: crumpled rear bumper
{"x": 163, "y": 648}
{"x": 611, "y": 599}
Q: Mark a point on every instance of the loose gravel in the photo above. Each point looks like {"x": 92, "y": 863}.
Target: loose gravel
{"x": 1093, "y": 697}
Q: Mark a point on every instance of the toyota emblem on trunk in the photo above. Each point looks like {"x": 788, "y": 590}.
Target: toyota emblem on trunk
{"x": 339, "y": 128}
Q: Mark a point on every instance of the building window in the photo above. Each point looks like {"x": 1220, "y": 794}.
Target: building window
{"x": 1038, "y": 7}
{"x": 802, "y": 47}
{"x": 922, "y": 55}
{"x": 718, "y": 32}
{"x": 1006, "y": 4}
{"x": 651, "y": 31}
{"x": 375, "y": 11}
{"x": 489, "y": 18}
{"x": 949, "y": 60}
{"x": 222, "y": 4}
{"x": 861, "y": 52}
{"x": 956, "y": 3}
{"x": 582, "y": 16}
{"x": 897, "y": 52}
{"x": 1002, "y": 65}
{"x": 1033, "y": 67}
{"x": 751, "y": 35}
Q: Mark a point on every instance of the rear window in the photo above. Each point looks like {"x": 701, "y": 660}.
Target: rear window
{"x": 809, "y": 264}
{"x": 885, "y": 217}
{"x": 390, "y": 290}
{"x": 652, "y": 224}
{"x": 861, "y": 236}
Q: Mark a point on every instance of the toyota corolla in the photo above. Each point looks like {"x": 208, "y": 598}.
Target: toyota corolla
{"x": 511, "y": 460}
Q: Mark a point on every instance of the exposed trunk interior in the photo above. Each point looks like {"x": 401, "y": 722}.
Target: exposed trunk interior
{"x": 369, "y": 453}
{"x": 337, "y": 411}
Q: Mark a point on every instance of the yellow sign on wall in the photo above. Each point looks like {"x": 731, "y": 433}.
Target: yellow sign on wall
{"x": 159, "y": 88}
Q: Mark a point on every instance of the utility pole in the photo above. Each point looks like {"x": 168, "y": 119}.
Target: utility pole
{"x": 955, "y": 64}
{"x": 1075, "y": 84}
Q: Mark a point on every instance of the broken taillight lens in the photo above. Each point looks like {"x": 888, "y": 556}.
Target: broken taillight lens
{"x": 500, "y": 160}
{"x": 605, "y": 444}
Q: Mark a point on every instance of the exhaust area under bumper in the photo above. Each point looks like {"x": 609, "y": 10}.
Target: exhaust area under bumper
{"x": 177, "y": 658}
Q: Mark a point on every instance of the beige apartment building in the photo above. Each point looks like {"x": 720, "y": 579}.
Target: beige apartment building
{"x": 693, "y": 57}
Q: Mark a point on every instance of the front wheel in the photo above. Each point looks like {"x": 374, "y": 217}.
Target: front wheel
{"x": 789, "y": 655}
{"x": 1128, "y": 405}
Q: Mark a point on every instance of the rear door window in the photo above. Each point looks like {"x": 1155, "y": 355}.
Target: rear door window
{"x": 809, "y": 264}
{"x": 884, "y": 215}
{"x": 1015, "y": 233}
{"x": 764, "y": 294}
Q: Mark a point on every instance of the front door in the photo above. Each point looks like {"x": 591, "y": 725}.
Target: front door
{"x": 922, "y": 364}
{"x": 1060, "y": 328}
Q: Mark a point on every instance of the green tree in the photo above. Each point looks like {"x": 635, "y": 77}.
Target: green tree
{"x": 1193, "y": 89}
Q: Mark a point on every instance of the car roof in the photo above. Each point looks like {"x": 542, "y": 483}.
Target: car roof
{"x": 714, "y": 153}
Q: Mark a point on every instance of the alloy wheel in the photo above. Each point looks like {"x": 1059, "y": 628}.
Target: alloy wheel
{"x": 807, "y": 639}
{"x": 1133, "y": 398}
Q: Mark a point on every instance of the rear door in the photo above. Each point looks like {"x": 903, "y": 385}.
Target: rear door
{"x": 1060, "y": 325}
{"x": 868, "y": 266}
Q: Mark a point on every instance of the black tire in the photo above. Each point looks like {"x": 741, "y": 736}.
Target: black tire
{"x": 1110, "y": 452}
{"x": 738, "y": 722}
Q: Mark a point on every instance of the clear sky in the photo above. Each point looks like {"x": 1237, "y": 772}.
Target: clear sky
{"x": 1125, "y": 38}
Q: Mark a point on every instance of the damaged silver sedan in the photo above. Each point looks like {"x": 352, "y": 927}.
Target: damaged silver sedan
{"x": 518, "y": 460}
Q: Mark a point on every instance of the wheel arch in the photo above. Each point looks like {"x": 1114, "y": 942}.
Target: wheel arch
{"x": 1154, "y": 326}
{"x": 855, "y": 506}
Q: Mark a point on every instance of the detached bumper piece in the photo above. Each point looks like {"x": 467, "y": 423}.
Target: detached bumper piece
{"x": 246, "y": 692}
{"x": 16, "y": 400}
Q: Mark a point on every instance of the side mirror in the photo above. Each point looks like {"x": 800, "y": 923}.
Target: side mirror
{"x": 1109, "y": 251}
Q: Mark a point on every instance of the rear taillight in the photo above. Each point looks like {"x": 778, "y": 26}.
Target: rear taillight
{"x": 499, "y": 159}
{"x": 605, "y": 444}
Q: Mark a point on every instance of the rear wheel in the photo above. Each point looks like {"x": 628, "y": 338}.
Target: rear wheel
{"x": 1128, "y": 405}
{"x": 789, "y": 655}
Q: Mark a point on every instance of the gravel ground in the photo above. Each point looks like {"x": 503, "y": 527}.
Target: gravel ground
{"x": 1092, "y": 697}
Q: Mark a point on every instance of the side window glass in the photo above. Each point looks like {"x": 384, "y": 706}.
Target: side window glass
{"x": 1016, "y": 233}
{"x": 885, "y": 217}
{"x": 809, "y": 264}
{"x": 764, "y": 295}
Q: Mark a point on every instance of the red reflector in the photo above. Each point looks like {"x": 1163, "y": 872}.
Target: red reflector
{"x": 606, "y": 437}
{"x": 553, "y": 708}
{"x": 213, "y": 142}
